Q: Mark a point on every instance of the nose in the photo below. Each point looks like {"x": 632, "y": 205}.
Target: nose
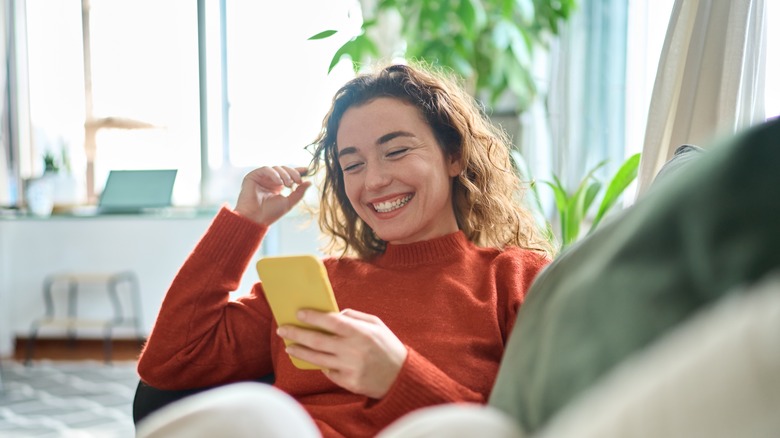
{"x": 376, "y": 177}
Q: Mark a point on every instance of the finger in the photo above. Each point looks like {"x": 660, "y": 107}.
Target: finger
{"x": 296, "y": 195}
{"x": 321, "y": 359}
{"x": 286, "y": 178}
{"x": 265, "y": 176}
{"x": 302, "y": 171}
{"x": 329, "y": 321}
{"x": 308, "y": 338}
{"x": 361, "y": 316}
{"x": 294, "y": 174}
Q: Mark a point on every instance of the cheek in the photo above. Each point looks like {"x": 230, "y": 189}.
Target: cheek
{"x": 352, "y": 192}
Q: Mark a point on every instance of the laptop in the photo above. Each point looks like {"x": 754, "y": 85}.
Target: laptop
{"x": 136, "y": 191}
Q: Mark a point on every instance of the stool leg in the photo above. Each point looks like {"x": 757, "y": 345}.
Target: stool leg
{"x": 135, "y": 290}
{"x": 30, "y": 350}
{"x": 73, "y": 293}
{"x": 107, "y": 347}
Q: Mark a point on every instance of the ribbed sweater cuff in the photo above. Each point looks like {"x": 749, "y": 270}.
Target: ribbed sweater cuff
{"x": 419, "y": 384}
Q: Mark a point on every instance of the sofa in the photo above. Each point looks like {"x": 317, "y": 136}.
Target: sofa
{"x": 703, "y": 242}
{"x": 663, "y": 322}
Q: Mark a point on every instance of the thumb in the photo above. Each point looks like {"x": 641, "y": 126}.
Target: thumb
{"x": 296, "y": 195}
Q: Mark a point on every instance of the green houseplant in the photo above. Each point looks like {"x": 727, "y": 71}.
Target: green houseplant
{"x": 50, "y": 163}
{"x": 490, "y": 43}
{"x": 574, "y": 207}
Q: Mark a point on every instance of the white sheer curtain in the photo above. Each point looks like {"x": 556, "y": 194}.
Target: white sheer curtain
{"x": 5, "y": 144}
{"x": 710, "y": 79}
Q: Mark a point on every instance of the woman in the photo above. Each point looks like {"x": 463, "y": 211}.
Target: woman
{"x": 435, "y": 254}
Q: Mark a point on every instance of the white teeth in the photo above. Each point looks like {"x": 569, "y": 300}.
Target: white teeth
{"x": 384, "y": 207}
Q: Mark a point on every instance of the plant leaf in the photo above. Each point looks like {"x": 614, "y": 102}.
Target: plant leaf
{"x": 590, "y": 194}
{"x": 346, "y": 49}
{"x": 576, "y": 210}
{"x": 324, "y": 34}
{"x": 622, "y": 179}
{"x": 577, "y": 205}
{"x": 562, "y": 204}
{"x": 570, "y": 224}
{"x": 561, "y": 198}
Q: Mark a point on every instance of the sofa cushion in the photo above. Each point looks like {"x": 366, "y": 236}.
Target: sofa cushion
{"x": 683, "y": 246}
{"x": 683, "y": 157}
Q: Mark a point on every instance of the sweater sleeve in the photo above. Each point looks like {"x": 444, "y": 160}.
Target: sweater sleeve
{"x": 201, "y": 337}
{"x": 514, "y": 276}
{"x": 420, "y": 384}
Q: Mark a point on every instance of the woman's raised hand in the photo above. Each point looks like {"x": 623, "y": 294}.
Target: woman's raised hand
{"x": 261, "y": 198}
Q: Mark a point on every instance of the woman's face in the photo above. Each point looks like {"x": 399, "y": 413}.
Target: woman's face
{"x": 395, "y": 173}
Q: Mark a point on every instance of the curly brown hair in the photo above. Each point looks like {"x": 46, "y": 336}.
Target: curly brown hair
{"x": 486, "y": 195}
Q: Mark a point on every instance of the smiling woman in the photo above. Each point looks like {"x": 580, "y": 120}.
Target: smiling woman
{"x": 433, "y": 255}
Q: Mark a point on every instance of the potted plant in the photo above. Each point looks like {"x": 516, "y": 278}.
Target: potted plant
{"x": 57, "y": 189}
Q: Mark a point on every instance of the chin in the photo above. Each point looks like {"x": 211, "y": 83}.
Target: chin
{"x": 390, "y": 236}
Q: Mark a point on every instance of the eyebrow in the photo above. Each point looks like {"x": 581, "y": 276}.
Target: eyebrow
{"x": 389, "y": 136}
{"x": 381, "y": 140}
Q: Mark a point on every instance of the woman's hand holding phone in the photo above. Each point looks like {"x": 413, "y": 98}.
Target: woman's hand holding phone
{"x": 360, "y": 353}
{"x": 261, "y": 198}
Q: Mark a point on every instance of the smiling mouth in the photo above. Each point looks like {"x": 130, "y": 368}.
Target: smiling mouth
{"x": 388, "y": 206}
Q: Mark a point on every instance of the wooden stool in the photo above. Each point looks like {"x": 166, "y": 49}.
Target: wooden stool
{"x": 114, "y": 283}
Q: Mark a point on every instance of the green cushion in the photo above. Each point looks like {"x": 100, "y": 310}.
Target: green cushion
{"x": 688, "y": 242}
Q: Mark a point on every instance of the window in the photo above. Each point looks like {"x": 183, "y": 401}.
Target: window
{"x": 144, "y": 86}
{"x": 648, "y": 24}
{"x": 267, "y": 86}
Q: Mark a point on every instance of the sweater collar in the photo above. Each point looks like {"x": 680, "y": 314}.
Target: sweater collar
{"x": 428, "y": 251}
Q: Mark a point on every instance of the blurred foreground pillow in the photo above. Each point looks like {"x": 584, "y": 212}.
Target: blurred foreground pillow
{"x": 696, "y": 235}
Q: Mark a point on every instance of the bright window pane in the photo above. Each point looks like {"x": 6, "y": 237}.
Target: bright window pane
{"x": 144, "y": 67}
{"x": 56, "y": 80}
{"x": 278, "y": 86}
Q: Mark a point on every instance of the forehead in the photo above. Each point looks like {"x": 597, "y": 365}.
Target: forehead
{"x": 366, "y": 123}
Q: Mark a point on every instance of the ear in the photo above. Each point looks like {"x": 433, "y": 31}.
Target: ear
{"x": 455, "y": 166}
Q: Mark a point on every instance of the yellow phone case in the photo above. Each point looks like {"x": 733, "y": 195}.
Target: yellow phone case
{"x": 292, "y": 283}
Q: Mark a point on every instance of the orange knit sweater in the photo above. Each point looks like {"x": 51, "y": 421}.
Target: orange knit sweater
{"x": 451, "y": 303}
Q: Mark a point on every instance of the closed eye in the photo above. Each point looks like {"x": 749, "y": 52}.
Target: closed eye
{"x": 351, "y": 167}
{"x": 397, "y": 152}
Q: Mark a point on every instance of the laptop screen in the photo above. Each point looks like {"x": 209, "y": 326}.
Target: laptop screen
{"x": 130, "y": 191}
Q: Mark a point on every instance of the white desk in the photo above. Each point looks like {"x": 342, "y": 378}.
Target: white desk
{"x": 154, "y": 247}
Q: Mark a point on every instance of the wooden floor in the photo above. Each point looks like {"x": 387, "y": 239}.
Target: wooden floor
{"x": 80, "y": 349}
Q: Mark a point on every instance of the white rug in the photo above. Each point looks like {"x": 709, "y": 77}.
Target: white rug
{"x": 79, "y": 399}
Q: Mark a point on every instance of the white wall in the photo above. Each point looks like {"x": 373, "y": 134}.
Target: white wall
{"x": 153, "y": 247}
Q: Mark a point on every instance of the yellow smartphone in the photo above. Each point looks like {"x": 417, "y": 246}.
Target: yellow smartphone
{"x": 292, "y": 283}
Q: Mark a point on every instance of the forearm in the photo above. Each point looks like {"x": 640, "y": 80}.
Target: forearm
{"x": 196, "y": 338}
